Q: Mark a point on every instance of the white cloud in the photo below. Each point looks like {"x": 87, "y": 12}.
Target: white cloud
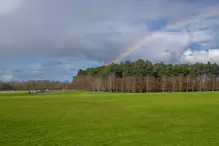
{"x": 165, "y": 47}
{"x": 211, "y": 55}
{"x": 7, "y": 77}
{"x": 172, "y": 47}
{"x": 199, "y": 36}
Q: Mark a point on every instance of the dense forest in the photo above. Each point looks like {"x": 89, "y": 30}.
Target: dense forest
{"x": 137, "y": 76}
{"x": 142, "y": 68}
{"x": 144, "y": 76}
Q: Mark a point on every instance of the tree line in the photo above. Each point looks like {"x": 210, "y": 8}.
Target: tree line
{"x": 34, "y": 85}
{"x": 144, "y": 76}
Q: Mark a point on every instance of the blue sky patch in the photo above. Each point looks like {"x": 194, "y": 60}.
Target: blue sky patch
{"x": 195, "y": 46}
{"x": 211, "y": 17}
{"x": 157, "y": 24}
{"x": 32, "y": 59}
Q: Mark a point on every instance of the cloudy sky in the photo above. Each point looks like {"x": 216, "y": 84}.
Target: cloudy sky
{"x": 52, "y": 39}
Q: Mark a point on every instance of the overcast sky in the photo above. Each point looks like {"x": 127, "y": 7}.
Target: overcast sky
{"x": 52, "y": 39}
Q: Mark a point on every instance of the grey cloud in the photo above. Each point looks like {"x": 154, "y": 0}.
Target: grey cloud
{"x": 52, "y": 63}
{"x": 16, "y": 70}
{"x": 50, "y": 68}
{"x": 70, "y": 28}
{"x": 99, "y": 30}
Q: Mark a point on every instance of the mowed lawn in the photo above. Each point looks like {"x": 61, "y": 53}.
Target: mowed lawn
{"x": 108, "y": 119}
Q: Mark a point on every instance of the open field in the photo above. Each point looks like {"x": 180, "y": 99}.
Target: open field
{"x": 92, "y": 119}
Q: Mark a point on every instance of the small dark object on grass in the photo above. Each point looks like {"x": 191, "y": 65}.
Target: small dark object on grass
{"x": 36, "y": 91}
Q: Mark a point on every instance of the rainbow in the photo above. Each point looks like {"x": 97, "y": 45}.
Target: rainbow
{"x": 141, "y": 42}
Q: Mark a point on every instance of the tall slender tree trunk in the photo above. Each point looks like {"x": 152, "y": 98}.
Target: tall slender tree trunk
{"x": 164, "y": 81}
{"x": 172, "y": 84}
{"x": 147, "y": 83}
{"x": 200, "y": 84}
{"x": 187, "y": 83}
{"x": 213, "y": 82}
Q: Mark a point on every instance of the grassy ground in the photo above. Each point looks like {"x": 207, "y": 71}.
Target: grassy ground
{"x": 101, "y": 119}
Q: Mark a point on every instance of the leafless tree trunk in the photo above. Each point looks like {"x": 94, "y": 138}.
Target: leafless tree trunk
{"x": 164, "y": 83}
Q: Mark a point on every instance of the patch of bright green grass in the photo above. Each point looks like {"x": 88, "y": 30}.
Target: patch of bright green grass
{"x": 92, "y": 119}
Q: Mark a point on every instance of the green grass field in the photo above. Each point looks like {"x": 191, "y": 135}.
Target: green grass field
{"x": 107, "y": 119}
